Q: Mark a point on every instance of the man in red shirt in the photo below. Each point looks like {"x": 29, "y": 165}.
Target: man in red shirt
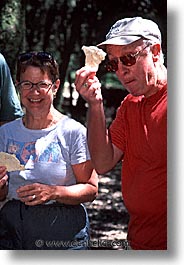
{"x": 138, "y": 135}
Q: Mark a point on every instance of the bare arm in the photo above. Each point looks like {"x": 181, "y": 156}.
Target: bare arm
{"x": 103, "y": 153}
{"x": 84, "y": 190}
{"x": 3, "y": 183}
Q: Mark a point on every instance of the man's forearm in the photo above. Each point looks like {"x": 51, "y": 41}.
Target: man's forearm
{"x": 100, "y": 146}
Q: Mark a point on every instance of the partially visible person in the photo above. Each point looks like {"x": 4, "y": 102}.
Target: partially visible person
{"x": 138, "y": 135}
{"x": 10, "y": 107}
{"x": 44, "y": 203}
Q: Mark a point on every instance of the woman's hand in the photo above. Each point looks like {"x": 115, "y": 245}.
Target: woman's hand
{"x": 34, "y": 194}
{"x": 84, "y": 190}
{"x": 3, "y": 183}
{"x": 88, "y": 85}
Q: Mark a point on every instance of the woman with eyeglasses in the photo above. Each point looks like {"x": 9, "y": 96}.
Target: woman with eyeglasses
{"x": 43, "y": 204}
{"x": 138, "y": 135}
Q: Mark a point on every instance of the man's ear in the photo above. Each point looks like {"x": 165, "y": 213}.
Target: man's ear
{"x": 156, "y": 52}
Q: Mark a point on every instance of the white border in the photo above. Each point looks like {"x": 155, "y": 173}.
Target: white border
{"x": 175, "y": 176}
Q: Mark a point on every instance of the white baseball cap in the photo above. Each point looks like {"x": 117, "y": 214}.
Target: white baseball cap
{"x": 128, "y": 30}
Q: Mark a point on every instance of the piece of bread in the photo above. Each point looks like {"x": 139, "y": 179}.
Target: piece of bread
{"x": 10, "y": 162}
{"x": 94, "y": 56}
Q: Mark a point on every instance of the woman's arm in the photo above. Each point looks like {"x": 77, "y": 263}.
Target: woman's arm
{"x": 84, "y": 190}
{"x": 3, "y": 183}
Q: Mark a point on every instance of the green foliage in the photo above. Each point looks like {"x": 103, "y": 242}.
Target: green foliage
{"x": 11, "y": 30}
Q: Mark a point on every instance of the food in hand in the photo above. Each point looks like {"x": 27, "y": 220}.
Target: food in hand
{"x": 94, "y": 56}
{"x": 10, "y": 162}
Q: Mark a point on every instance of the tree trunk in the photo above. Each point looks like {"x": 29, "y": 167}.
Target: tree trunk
{"x": 12, "y": 30}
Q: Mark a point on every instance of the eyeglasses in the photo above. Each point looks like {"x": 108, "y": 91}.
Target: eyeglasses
{"x": 127, "y": 60}
{"x": 42, "y": 56}
{"x": 28, "y": 85}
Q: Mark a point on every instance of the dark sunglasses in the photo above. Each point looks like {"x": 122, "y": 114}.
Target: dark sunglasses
{"x": 42, "y": 56}
{"x": 127, "y": 60}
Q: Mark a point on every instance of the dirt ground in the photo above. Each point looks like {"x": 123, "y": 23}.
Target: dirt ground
{"x": 107, "y": 214}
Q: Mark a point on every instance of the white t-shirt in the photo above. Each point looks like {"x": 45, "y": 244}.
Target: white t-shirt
{"x": 47, "y": 154}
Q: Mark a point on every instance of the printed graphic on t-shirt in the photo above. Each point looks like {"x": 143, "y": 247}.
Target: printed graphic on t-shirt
{"x": 27, "y": 152}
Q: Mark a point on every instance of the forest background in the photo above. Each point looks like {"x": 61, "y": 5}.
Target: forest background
{"x": 62, "y": 27}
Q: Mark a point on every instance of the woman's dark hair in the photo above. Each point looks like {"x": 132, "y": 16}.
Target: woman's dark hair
{"x": 43, "y": 60}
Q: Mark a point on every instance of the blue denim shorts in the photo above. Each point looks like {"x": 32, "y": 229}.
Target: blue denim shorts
{"x": 49, "y": 227}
